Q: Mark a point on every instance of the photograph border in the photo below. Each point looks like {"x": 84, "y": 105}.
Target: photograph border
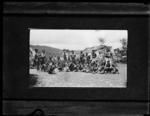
{"x": 14, "y": 10}
{"x": 117, "y": 74}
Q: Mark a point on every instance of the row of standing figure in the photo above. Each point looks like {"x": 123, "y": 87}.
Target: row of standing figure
{"x": 83, "y": 63}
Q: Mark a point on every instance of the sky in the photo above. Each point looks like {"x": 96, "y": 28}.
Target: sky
{"x": 73, "y": 39}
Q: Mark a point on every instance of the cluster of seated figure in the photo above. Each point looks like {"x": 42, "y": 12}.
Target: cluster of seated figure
{"x": 72, "y": 63}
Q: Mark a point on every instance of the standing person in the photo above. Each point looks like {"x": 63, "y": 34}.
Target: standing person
{"x": 102, "y": 67}
{"x": 36, "y": 59}
{"x": 88, "y": 59}
{"x": 59, "y": 64}
{"x": 81, "y": 57}
{"x": 73, "y": 57}
{"x": 32, "y": 55}
{"x": 109, "y": 55}
{"x": 72, "y": 61}
{"x": 93, "y": 57}
{"x": 43, "y": 60}
{"x": 93, "y": 54}
{"x": 65, "y": 56}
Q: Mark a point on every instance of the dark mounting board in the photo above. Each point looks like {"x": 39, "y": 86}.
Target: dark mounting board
{"x": 20, "y": 13}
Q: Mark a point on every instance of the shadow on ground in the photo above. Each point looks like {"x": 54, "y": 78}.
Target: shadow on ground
{"x": 33, "y": 79}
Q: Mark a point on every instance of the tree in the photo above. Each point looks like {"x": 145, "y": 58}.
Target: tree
{"x": 102, "y": 41}
{"x": 124, "y": 43}
{"x": 124, "y": 50}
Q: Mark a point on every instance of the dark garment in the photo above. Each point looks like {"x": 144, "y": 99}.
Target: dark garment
{"x": 93, "y": 55}
{"x": 82, "y": 60}
{"x": 81, "y": 56}
{"x": 88, "y": 59}
{"x": 71, "y": 67}
{"x": 108, "y": 64}
{"x": 108, "y": 55}
{"x": 43, "y": 60}
{"x": 108, "y": 69}
{"x": 73, "y": 58}
{"x": 51, "y": 68}
{"x": 36, "y": 61}
{"x": 65, "y": 57}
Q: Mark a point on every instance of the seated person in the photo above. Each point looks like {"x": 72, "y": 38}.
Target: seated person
{"x": 71, "y": 67}
{"x": 108, "y": 68}
{"x": 95, "y": 67}
{"x": 60, "y": 66}
{"x": 66, "y": 67}
{"x": 51, "y": 68}
{"x": 115, "y": 70}
{"x": 101, "y": 67}
{"x": 85, "y": 68}
{"x": 80, "y": 67}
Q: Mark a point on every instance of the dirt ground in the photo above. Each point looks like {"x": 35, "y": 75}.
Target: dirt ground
{"x": 79, "y": 79}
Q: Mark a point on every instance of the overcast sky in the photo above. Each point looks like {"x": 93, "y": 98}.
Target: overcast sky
{"x": 76, "y": 39}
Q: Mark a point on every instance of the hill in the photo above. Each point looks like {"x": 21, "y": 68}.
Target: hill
{"x": 50, "y": 51}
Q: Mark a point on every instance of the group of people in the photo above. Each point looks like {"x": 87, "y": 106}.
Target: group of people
{"x": 84, "y": 62}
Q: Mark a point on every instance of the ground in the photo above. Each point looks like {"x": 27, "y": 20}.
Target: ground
{"x": 79, "y": 79}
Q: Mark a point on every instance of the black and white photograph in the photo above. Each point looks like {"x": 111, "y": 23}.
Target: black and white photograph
{"x": 75, "y": 59}
{"x": 78, "y": 58}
